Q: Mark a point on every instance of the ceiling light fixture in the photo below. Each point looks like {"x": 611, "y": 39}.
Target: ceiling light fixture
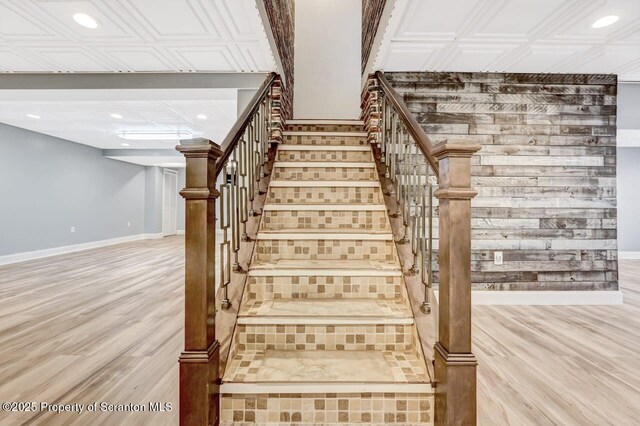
{"x": 201, "y": 116}
{"x": 605, "y": 21}
{"x": 124, "y": 144}
{"x": 33, "y": 116}
{"x": 155, "y": 136}
{"x": 116, "y": 116}
{"x": 86, "y": 20}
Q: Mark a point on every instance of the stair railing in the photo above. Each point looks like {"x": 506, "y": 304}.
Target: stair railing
{"x": 409, "y": 164}
{"x": 232, "y": 173}
{"x": 414, "y": 166}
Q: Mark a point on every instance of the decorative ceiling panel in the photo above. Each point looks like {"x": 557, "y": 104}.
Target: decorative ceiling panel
{"x": 512, "y": 36}
{"x": 133, "y": 35}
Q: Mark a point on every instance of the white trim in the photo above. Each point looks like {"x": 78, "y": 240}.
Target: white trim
{"x": 166, "y": 172}
{"x": 329, "y": 134}
{"x": 377, "y": 40}
{"x": 271, "y": 40}
{"x": 481, "y": 297}
{"x": 55, "y": 251}
{"x": 244, "y": 388}
{"x": 326, "y": 122}
{"x": 629, "y": 255}
{"x": 180, "y": 232}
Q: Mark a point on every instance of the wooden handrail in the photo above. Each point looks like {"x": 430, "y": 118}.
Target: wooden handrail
{"x": 229, "y": 143}
{"x": 419, "y": 136}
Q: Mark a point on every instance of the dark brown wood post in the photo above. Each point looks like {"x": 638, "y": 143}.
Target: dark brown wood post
{"x": 455, "y": 365}
{"x": 199, "y": 389}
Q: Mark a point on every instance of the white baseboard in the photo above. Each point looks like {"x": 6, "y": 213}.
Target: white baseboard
{"x": 152, "y": 236}
{"x": 629, "y": 255}
{"x": 546, "y": 297}
{"x": 180, "y": 231}
{"x": 541, "y": 298}
{"x": 39, "y": 254}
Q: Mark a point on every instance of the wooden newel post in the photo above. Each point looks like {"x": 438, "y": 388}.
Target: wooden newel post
{"x": 199, "y": 361}
{"x": 455, "y": 365}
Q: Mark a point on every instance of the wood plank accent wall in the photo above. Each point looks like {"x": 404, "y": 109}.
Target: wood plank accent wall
{"x": 371, "y": 15}
{"x": 281, "y": 14}
{"x": 546, "y": 174}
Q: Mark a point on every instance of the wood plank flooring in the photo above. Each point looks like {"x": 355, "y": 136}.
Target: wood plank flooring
{"x": 105, "y": 325}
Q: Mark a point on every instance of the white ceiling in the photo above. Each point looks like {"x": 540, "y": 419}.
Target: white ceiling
{"x": 84, "y": 115}
{"x": 133, "y": 36}
{"x": 512, "y": 36}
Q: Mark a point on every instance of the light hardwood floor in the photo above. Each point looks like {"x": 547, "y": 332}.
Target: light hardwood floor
{"x": 105, "y": 325}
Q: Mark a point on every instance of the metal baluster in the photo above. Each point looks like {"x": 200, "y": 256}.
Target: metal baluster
{"x": 250, "y": 169}
{"x": 426, "y": 305}
{"x": 243, "y": 196}
{"x": 415, "y": 207}
{"x": 235, "y": 210}
{"x": 225, "y": 246}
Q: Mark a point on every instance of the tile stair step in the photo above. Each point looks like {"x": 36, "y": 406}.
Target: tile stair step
{"x": 329, "y": 311}
{"x": 326, "y": 366}
{"x": 326, "y": 134}
{"x": 325, "y": 183}
{"x": 348, "y": 148}
{"x": 325, "y": 207}
{"x": 353, "y": 268}
{"x": 326, "y": 164}
{"x": 325, "y": 122}
{"x": 326, "y": 234}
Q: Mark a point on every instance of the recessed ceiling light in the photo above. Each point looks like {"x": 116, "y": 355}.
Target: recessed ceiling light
{"x": 201, "y": 117}
{"x": 606, "y": 21}
{"x": 155, "y": 136}
{"x": 124, "y": 144}
{"x": 116, "y": 116}
{"x": 86, "y": 20}
{"x": 33, "y": 116}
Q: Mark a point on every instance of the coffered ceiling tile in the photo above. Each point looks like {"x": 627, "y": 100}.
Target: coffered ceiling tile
{"x": 207, "y": 59}
{"x": 516, "y": 18}
{"x": 10, "y": 60}
{"x": 171, "y": 18}
{"x": 14, "y": 24}
{"x": 61, "y": 12}
{"x": 72, "y": 59}
{"x": 141, "y": 59}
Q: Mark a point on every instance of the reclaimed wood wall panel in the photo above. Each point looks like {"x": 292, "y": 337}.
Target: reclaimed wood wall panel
{"x": 281, "y": 14}
{"x": 371, "y": 15}
{"x": 546, "y": 175}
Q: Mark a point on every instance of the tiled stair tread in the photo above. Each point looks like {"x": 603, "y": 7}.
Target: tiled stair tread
{"x": 326, "y": 366}
{"x": 334, "y": 265}
{"x": 324, "y": 207}
{"x": 355, "y": 148}
{"x": 325, "y": 183}
{"x": 326, "y": 308}
{"x": 326, "y": 122}
{"x": 321, "y": 133}
{"x": 323, "y": 234}
{"x": 329, "y": 164}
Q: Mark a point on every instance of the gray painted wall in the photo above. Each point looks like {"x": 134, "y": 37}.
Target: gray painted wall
{"x": 628, "y": 199}
{"x": 48, "y": 185}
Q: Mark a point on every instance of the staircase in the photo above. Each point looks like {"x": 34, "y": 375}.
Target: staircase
{"x": 325, "y": 332}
